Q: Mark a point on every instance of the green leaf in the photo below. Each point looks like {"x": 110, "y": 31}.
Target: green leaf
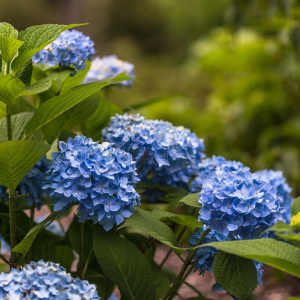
{"x": 9, "y": 47}
{"x": 7, "y": 29}
{"x": 125, "y": 265}
{"x": 281, "y": 227}
{"x": 280, "y": 255}
{"x": 76, "y": 79}
{"x": 35, "y": 39}
{"x": 10, "y": 88}
{"x": 191, "y": 200}
{"x": 296, "y": 206}
{"x": 190, "y": 222}
{"x": 18, "y": 123}
{"x": 149, "y": 102}
{"x": 289, "y": 237}
{"x": 38, "y": 87}
{"x": 236, "y": 275}
{"x": 100, "y": 118}
{"x": 24, "y": 246}
{"x": 143, "y": 222}
{"x": 17, "y": 158}
{"x": 56, "y": 106}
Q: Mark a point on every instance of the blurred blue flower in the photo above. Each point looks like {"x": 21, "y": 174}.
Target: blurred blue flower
{"x": 108, "y": 67}
{"x": 71, "y": 48}
{"x": 98, "y": 177}
{"x": 238, "y": 204}
{"x": 31, "y": 185}
{"x": 44, "y": 280}
{"x": 165, "y": 154}
{"x": 283, "y": 192}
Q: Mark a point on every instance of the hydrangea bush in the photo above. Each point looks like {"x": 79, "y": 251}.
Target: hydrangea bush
{"x": 110, "y": 190}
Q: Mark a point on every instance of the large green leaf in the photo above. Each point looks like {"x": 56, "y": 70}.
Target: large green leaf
{"x": 10, "y": 88}
{"x": 7, "y": 29}
{"x": 76, "y": 79}
{"x": 35, "y": 39}
{"x": 236, "y": 275}
{"x": 125, "y": 265}
{"x": 17, "y": 158}
{"x": 18, "y": 123}
{"x": 144, "y": 222}
{"x": 56, "y": 106}
{"x": 280, "y": 255}
{"x": 38, "y": 87}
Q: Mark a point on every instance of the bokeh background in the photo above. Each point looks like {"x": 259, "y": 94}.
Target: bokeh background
{"x": 233, "y": 66}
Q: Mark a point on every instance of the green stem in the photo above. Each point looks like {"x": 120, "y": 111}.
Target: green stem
{"x": 180, "y": 277}
{"x": 85, "y": 267}
{"x": 4, "y": 67}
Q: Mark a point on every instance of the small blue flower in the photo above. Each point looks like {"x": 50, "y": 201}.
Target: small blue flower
{"x": 31, "y": 185}
{"x": 108, "y": 67}
{"x": 165, "y": 154}
{"x": 44, "y": 280}
{"x": 71, "y": 48}
{"x": 283, "y": 192}
{"x": 98, "y": 177}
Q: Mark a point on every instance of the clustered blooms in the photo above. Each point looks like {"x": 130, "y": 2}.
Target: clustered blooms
{"x": 71, "y": 48}
{"x": 98, "y": 177}
{"x": 44, "y": 280}
{"x": 165, "y": 154}
{"x": 237, "y": 204}
{"x": 31, "y": 185}
{"x": 108, "y": 67}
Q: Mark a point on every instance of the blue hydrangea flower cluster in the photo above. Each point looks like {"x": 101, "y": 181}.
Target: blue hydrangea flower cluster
{"x": 238, "y": 204}
{"x": 207, "y": 169}
{"x": 108, "y": 67}
{"x": 203, "y": 259}
{"x": 44, "y": 280}
{"x": 71, "y": 48}
{"x": 283, "y": 192}
{"x": 165, "y": 154}
{"x": 98, "y": 177}
{"x": 31, "y": 185}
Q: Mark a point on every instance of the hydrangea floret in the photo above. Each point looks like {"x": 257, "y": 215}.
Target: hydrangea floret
{"x": 108, "y": 67}
{"x": 71, "y": 48}
{"x": 44, "y": 280}
{"x": 165, "y": 154}
{"x": 31, "y": 185}
{"x": 99, "y": 177}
